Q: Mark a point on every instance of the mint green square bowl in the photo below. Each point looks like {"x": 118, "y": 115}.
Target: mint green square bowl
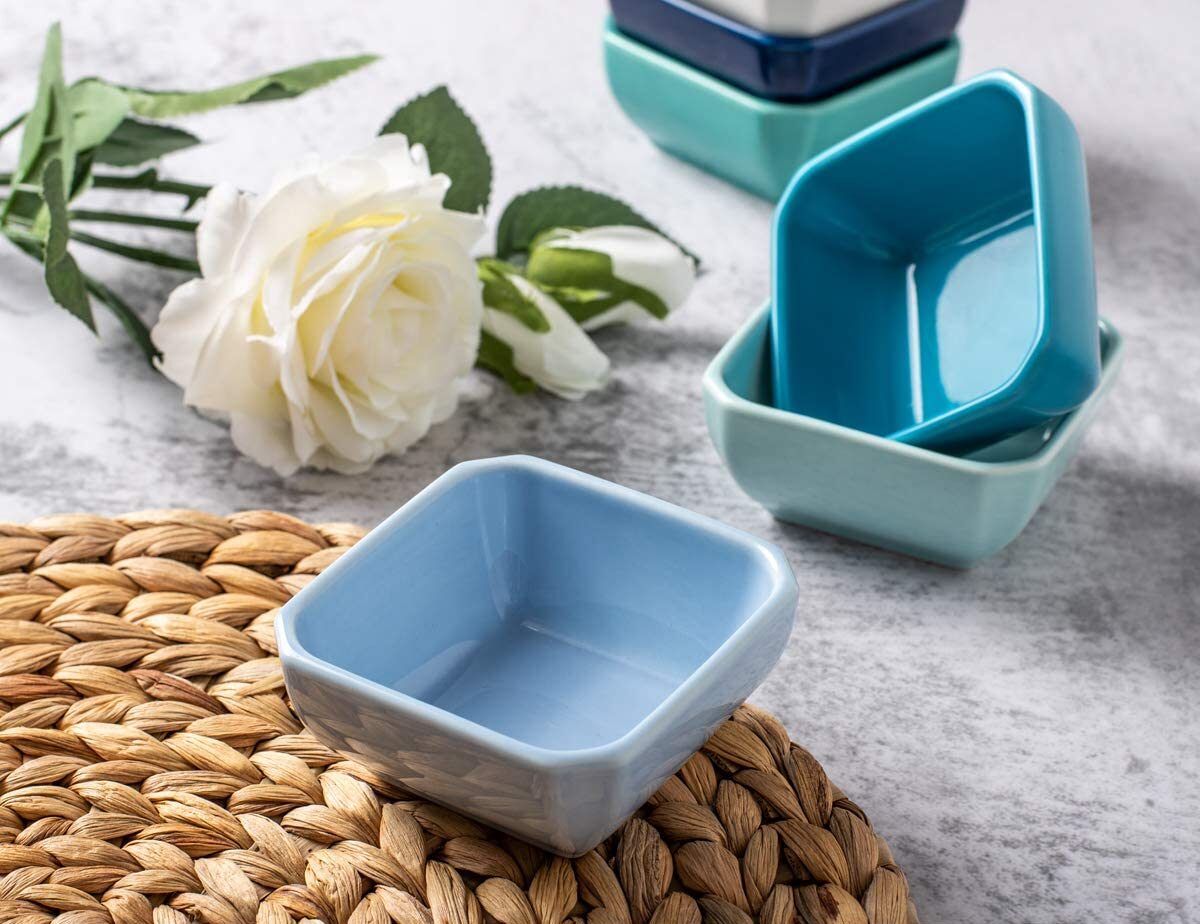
{"x": 952, "y": 510}
{"x": 754, "y": 143}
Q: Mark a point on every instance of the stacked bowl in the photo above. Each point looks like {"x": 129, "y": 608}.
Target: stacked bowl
{"x": 931, "y": 354}
{"x": 751, "y": 89}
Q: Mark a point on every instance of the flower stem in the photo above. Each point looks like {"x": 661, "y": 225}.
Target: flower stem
{"x": 141, "y": 254}
{"x": 150, "y": 180}
{"x": 133, "y": 218}
{"x": 6, "y": 180}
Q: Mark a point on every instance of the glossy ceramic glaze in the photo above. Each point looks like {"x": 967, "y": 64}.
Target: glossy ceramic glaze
{"x": 950, "y": 510}
{"x": 784, "y": 68}
{"x": 933, "y": 275}
{"x": 797, "y": 17}
{"x": 754, "y": 143}
{"x": 535, "y": 647}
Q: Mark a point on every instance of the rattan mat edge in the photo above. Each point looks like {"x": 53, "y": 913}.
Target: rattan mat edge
{"x": 152, "y": 771}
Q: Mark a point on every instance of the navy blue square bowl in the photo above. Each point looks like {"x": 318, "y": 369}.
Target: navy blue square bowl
{"x": 789, "y": 68}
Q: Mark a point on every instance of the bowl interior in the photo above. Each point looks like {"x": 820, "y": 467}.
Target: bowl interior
{"x": 747, "y": 373}
{"x": 551, "y": 611}
{"x": 907, "y": 278}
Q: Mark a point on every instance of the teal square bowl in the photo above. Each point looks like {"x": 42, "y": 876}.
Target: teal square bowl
{"x": 933, "y": 277}
{"x": 754, "y": 143}
{"x": 947, "y": 509}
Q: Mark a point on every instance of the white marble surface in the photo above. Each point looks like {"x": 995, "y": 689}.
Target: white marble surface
{"x": 1027, "y": 735}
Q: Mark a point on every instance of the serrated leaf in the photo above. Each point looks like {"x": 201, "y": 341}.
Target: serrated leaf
{"x": 500, "y": 293}
{"x": 134, "y": 326}
{"x": 49, "y": 127}
{"x": 63, "y": 277}
{"x": 538, "y": 210}
{"x": 37, "y": 122}
{"x": 497, "y": 356}
{"x": 163, "y": 104}
{"x": 134, "y": 142}
{"x": 98, "y": 109}
{"x": 453, "y": 144}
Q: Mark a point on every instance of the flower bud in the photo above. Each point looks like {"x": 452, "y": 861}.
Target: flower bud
{"x": 537, "y": 339}
{"x": 611, "y": 274}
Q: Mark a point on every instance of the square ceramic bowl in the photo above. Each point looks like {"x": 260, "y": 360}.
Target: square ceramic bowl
{"x": 798, "y": 17}
{"x": 946, "y": 509}
{"x": 788, "y": 69}
{"x": 933, "y": 276}
{"x": 755, "y": 143}
{"x": 534, "y": 647}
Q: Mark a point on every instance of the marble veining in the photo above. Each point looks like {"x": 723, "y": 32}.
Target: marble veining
{"x": 1026, "y": 735}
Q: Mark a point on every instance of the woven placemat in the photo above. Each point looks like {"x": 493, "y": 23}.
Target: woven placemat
{"x": 152, "y": 770}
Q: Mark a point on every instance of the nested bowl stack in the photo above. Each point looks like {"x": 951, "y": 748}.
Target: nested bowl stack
{"x": 152, "y": 769}
{"x": 749, "y": 90}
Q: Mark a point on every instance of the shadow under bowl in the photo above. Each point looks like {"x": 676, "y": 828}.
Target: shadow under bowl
{"x": 951, "y": 510}
{"x": 933, "y": 277}
{"x": 788, "y": 68}
{"x": 534, "y": 647}
{"x": 755, "y": 143}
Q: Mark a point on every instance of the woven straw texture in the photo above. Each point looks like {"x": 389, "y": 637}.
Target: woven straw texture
{"x": 152, "y": 771}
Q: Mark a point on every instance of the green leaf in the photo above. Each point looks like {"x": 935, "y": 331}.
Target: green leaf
{"x": 134, "y": 326}
{"x": 538, "y": 210}
{"x": 500, "y": 293}
{"x": 98, "y": 109}
{"x": 163, "y": 104}
{"x": 63, "y": 277}
{"x": 49, "y": 127}
{"x": 497, "y": 356}
{"x": 82, "y": 181}
{"x": 134, "y": 142}
{"x": 453, "y": 143}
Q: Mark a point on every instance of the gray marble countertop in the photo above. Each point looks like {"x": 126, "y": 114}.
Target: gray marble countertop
{"x": 1026, "y": 735}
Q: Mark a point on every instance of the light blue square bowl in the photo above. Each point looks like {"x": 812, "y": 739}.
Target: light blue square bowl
{"x": 933, "y": 276}
{"x": 534, "y": 647}
{"x": 752, "y": 142}
{"x": 947, "y": 509}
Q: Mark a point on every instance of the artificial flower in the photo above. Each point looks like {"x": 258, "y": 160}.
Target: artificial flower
{"x": 547, "y": 345}
{"x": 611, "y": 274}
{"x": 336, "y": 315}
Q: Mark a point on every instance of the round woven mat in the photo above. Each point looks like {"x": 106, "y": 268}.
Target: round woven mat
{"x": 151, "y": 769}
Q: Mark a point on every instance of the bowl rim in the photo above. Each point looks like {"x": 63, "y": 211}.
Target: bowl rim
{"x": 768, "y": 108}
{"x": 813, "y": 24}
{"x": 1030, "y": 99}
{"x": 783, "y": 592}
{"x": 896, "y": 11}
{"x": 717, "y": 390}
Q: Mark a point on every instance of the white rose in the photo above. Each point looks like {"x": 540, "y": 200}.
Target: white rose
{"x": 337, "y": 314}
{"x": 547, "y": 345}
{"x": 611, "y": 274}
